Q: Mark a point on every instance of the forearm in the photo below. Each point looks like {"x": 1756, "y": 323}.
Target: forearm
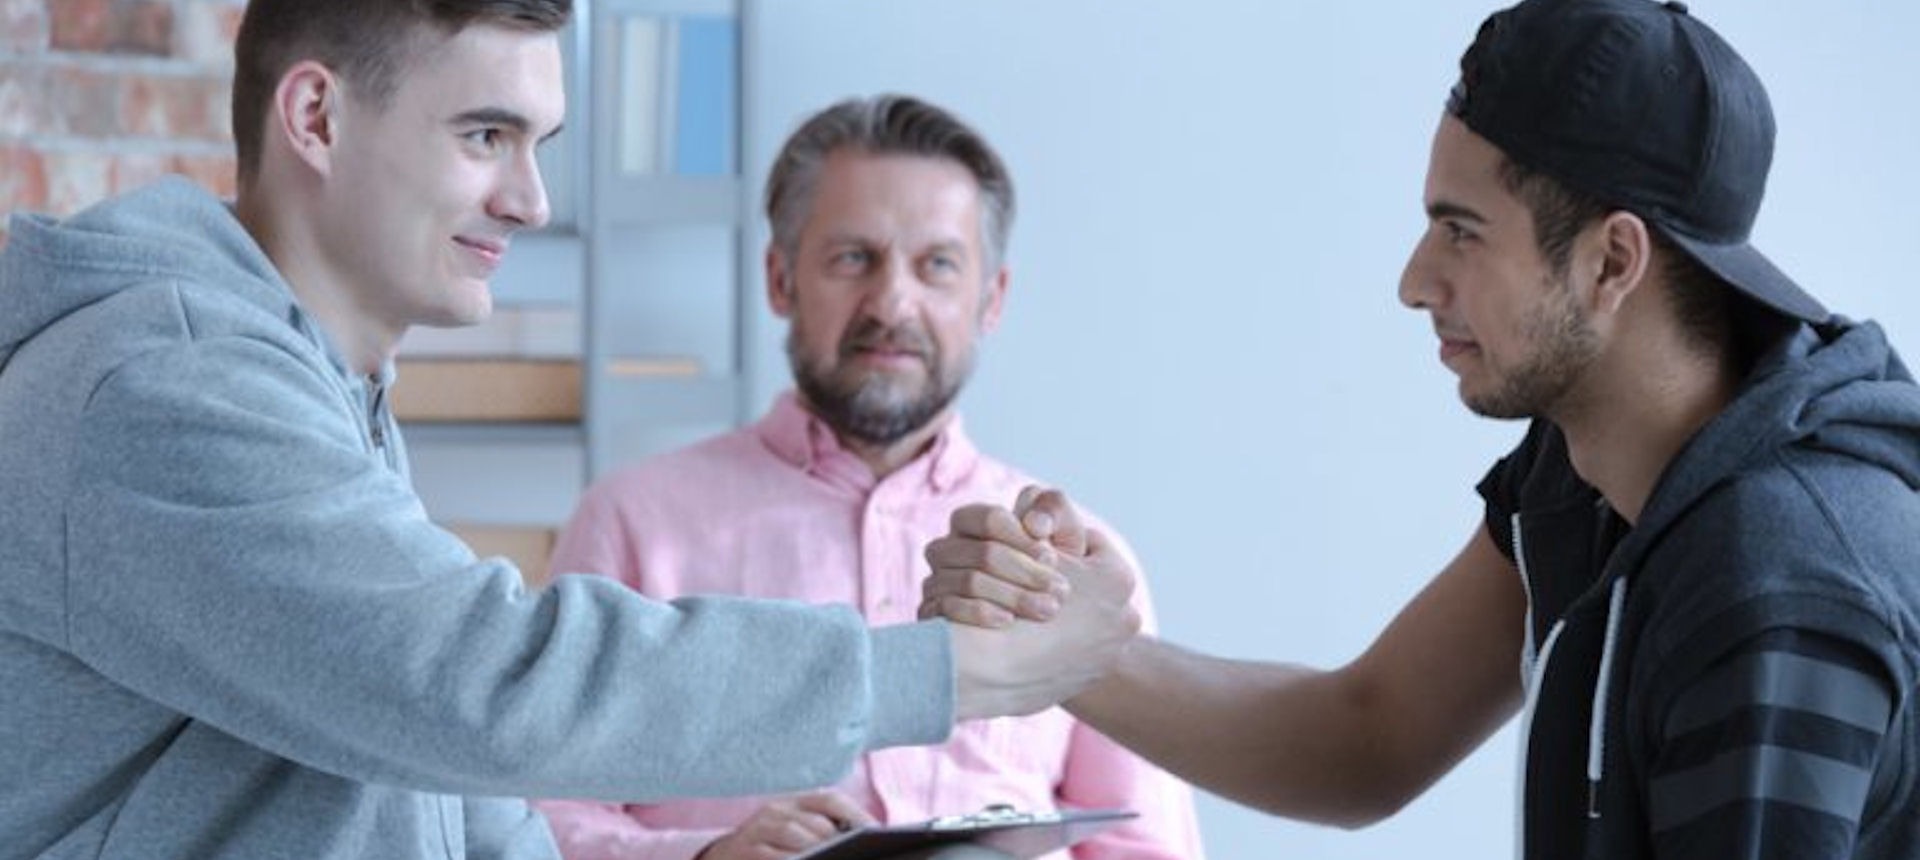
{"x": 1343, "y": 747}
{"x": 1287, "y": 739}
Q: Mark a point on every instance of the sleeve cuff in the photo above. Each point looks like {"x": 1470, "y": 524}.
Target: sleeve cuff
{"x": 913, "y": 687}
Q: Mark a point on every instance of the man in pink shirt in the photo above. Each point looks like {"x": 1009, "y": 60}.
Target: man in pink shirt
{"x": 890, "y": 220}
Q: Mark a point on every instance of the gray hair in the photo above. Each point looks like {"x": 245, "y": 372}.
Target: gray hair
{"x": 885, "y": 125}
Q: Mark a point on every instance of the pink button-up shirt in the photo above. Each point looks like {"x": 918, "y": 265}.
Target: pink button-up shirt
{"x": 780, "y": 510}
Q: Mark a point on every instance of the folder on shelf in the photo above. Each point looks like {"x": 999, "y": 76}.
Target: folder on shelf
{"x": 1020, "y": 835}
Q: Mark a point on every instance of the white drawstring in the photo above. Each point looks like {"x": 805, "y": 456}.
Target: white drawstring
{"x": 1597, "y": 723}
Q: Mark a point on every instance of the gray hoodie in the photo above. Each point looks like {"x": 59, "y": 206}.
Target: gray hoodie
{"x": 228, "y": 630}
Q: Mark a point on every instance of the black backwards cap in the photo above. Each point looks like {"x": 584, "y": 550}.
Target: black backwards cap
{"x": 1642, "y": 106}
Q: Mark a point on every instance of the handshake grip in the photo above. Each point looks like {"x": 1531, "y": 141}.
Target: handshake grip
{"x": 1041, "y": 605}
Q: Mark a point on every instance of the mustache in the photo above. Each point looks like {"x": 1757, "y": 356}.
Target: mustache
{"x": 872, "y": 335}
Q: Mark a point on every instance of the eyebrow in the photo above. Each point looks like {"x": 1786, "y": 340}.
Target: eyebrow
{"x": 501, "y": 116}
{"x": 1442, "y": 209}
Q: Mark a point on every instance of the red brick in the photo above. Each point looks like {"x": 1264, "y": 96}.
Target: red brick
{"x": 23, "y": 25}
{"x": 84, "y": 102}
{"x": 112, "y": 26}
{"x": 26, "y": 108}
{"x": 80, "y": 25}
{"x": 180, "y": 108}
{"x": 23, "y": 180}
{"x": 215, "y": 172}
{"x": 144, "y": 27}
{"x": 76, "y": 180}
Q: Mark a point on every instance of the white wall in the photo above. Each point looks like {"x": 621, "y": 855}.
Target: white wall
{"x": 1203, "y": 341}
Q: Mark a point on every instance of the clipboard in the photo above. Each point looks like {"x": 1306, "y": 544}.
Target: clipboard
{"x": 1022, "y": 835}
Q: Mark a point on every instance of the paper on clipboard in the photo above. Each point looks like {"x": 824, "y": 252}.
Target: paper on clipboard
{"x": 1021, "y": 835}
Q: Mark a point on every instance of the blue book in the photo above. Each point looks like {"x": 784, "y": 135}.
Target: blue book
{"x": 707, "y": 101}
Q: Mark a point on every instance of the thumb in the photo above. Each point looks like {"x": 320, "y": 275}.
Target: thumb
{"x": 1047, "y": 515}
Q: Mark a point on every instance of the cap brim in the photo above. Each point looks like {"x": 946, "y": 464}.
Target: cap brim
{"x": 1752, "y": 273}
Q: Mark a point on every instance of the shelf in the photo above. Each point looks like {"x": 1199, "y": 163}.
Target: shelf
{"x": 463, "y": 390}
{"x": 492, "y": 433}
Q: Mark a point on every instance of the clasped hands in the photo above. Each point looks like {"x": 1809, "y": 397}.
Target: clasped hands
{"x": 1042, "y": 604}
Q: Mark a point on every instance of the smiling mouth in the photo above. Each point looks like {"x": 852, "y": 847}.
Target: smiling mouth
{"x": 490, "y": 251}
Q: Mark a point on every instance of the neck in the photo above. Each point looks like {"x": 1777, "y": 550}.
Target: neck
{"x": 1624, "y": 428}
{"x": 296, "y": 254}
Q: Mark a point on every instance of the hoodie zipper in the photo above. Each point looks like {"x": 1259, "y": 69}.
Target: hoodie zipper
{"x": 1526, "y": 735}
{"x": 376, "y": 401}
{"x": 1530, "y": 666}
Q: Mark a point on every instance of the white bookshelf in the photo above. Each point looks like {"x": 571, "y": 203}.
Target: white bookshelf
{"x": 638, "y": 278}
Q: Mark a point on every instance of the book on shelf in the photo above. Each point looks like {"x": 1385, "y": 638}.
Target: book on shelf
{"x": 678, "y": 95}
{"x": 482, "y": 389}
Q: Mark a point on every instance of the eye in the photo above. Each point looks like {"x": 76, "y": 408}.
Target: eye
{"x": 485, "y": 139}
{"x": 1455, "y": 233}
{"x": 941, "y": 267}
{"x": 850, "y": 260}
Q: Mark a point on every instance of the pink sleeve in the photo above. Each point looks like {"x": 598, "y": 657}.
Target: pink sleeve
{"x": 1100, "y": 774}
{"x": 595, "y": 540}
{"x": 602, "y": 831}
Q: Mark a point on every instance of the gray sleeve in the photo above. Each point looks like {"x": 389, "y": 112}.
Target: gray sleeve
{"x": 1771, "y": 752}
{"x": 235, "y": 553}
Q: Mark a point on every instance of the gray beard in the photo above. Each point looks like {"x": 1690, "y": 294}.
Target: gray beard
{"x": 875, "y": 411}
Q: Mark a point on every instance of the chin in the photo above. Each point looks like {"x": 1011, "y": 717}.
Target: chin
{"x": 472, "y": 304}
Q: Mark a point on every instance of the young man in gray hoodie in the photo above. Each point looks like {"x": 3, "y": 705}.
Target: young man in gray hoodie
{"x": 227, "y": 628}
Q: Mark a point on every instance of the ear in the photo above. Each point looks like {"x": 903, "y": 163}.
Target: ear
{"x": 995, "y": 301}
{"x": 1626, "y": 250}
{"x": 779, "y": 283}
{"x": 306, "y": 113}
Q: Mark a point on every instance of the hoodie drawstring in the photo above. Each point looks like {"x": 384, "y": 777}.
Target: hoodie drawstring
{"x": 1597, "y": 723}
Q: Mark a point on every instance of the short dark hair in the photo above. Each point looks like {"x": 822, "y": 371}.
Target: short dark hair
{"x": 1700, "y": 299}
{"x": 886, "y": 125}
{"x": 366, "y": 42}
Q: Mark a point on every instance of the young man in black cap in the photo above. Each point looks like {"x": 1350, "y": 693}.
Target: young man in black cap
{"x": 1701, "y": 554}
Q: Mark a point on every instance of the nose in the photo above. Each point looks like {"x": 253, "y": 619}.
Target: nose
{"x": 521, "y": 199}
{"x": 893, "y": 287}
{"x": 1418, "y": 287}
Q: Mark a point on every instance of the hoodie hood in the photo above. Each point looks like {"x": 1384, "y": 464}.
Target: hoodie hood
{"x": 171, "y": 229}
{"x": 1838, "y": 387}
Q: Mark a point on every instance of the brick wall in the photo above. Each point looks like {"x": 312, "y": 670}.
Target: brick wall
{"x": 98, "y": 96}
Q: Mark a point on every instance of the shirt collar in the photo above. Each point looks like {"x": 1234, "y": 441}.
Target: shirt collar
{"x": 804, "y": 441}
